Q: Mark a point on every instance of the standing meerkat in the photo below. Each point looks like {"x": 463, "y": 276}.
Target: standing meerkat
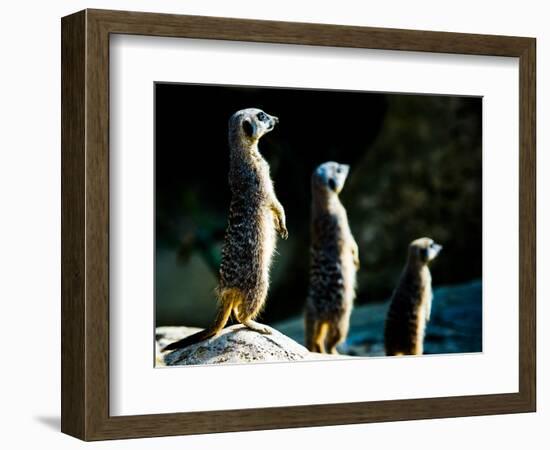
{"x": 255, "y": 216}
{"x": 334, "y": 262}
{"x": 411, "y": 302}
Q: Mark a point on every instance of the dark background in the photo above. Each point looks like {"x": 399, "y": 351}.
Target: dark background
{"x": 415, "y": 171}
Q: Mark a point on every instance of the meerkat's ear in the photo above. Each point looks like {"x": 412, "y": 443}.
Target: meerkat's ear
{"x": 248, "y": 127}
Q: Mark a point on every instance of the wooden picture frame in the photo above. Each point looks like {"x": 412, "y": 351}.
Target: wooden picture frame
{"x": 85, "y": 224}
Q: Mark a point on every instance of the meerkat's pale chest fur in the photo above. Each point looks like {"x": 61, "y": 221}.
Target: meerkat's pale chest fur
{"x": 255, "y": 217}
{"x": 411, "y": 302}
{"x": 334, "y": 262}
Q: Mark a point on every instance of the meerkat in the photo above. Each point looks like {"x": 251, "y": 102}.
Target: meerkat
{"x": 255, "y": 216}
{"x": 411, "y": 302}
{"x": 334, "y": 262}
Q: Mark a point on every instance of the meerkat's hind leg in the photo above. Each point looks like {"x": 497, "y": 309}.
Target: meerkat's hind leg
{"x": 418, "y": 349}
{"x": 391, "y": 352}
{"x": 247, "y": 321}
{"x": 222, "y": 317}
{"x": 334, "y": 338}
{"x": 337, "y": 333}
{"x": 319, "y": 336}
{"x": 333, "y": 350}
{"x": 395, "y": 351}
{"x": 255, "y": 326}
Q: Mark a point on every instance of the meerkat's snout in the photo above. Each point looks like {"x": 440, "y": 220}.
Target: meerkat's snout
{"x": 271, "y": 122}
{"x": 425, "y": 249}
{"x": 434, "y": 250}
{"x": 332, "y": 175}
{"x": 254, "y": 123}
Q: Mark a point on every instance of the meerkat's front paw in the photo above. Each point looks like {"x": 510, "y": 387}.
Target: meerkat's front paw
{"x": 355, "y": 253}
{"x": 280, "y": 226}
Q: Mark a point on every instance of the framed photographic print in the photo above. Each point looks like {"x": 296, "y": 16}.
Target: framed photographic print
{"x": 271, "y": 224}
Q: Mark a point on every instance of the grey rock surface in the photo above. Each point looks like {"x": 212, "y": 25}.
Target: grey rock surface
{"x": 235, "y": 344}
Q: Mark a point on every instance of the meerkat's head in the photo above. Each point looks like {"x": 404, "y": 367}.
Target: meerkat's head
{"x": 330, "y": 176}
{"x": 249, "y": 125}
{"x": 424, "y": 250}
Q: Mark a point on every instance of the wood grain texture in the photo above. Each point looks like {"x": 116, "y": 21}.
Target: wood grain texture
{"x": 527, "y": 224}
{"x": 97, "y": 225}
{"x": 73, "y": 109}
{"x": 85, "y": 224}
{"x": 201, "y": 27}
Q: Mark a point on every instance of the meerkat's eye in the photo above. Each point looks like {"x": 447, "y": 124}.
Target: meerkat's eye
{"x": 338, "y": 169}
{"x": 262, "y": 116}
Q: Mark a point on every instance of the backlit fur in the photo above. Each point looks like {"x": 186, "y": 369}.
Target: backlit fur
{"x": 334, "y": 262}
{"x": 411, "y": 302}
{"x": 255, "y": 217}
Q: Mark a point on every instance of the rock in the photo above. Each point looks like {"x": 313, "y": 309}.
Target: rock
{"x": 235, "y": 344}
{"x": 455, "y": 325}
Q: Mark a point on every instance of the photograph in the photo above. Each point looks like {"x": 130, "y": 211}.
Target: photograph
{"x": 306, "y": 224}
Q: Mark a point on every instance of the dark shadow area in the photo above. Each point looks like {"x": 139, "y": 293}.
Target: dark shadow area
{"x": 52, "y": 422}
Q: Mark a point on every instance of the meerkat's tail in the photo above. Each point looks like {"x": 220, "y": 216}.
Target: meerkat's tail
{"x": 221, "y": 319}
